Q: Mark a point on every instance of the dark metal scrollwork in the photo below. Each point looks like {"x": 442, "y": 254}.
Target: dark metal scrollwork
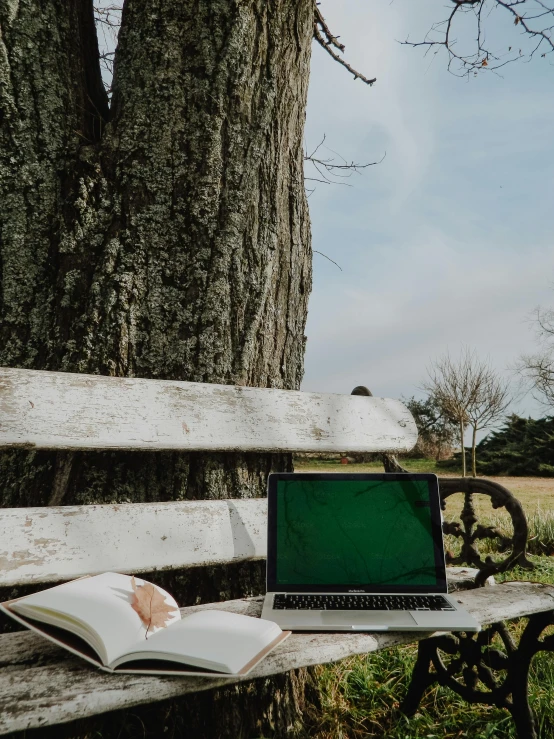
{"x": 480, "y": 672}
{"x": 470, "y": 533}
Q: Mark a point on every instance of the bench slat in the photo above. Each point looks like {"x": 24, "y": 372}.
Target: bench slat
{"x": 62, "y": 543}
{"x": 65, "y": 542}
{"x": 59, "y": 410}
{"x": 40, "y": 685}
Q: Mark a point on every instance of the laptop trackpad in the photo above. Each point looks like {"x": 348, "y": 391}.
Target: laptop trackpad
{"x": 371, "y": 619}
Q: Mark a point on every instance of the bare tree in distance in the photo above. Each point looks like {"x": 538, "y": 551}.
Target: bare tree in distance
{"x": 537, "y": 370}
{"x": 457, "y": 385}
{"x": 533, "y": 19}
{"x": 493, "y": 397}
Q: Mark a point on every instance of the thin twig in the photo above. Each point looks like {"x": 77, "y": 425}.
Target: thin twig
{"x": 320, "y": 20}
{"x": 326, "y": 257}
{"x": 328, "y": 168}
{"x": 357, "y": 75}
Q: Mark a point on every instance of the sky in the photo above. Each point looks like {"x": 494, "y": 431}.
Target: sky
{"x": 449, "y": 241}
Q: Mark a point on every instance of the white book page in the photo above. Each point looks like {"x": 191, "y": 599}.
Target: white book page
{"x": 103, "y": 603}
{"x": 212, "y": 639}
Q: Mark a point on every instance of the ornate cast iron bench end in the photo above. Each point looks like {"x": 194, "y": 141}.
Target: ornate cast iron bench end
{"x": 473, "y": 665}
{"x": 470, "y": 531}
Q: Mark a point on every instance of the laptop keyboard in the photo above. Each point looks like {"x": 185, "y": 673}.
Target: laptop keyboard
{"x": 359, "y": 602}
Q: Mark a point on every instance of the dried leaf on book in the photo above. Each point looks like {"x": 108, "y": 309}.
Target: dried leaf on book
{"x": 150, "y": 605}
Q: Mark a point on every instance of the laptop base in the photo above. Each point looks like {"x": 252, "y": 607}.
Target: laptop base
{"x": 355, "y": 620}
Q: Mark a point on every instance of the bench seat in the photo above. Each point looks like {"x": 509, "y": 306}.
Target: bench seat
{"x": 41, "y": 685}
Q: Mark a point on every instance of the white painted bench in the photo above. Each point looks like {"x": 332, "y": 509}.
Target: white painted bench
{"x": 39, "y": 684}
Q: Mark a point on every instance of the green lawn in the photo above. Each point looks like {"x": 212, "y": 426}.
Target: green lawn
{"x": 361, "y": 695}
{"x": 533, "y": 492}
{"x": 326, "y": 465}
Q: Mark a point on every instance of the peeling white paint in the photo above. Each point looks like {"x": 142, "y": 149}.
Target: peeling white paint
{"x": 41, "y": 686}
{"x": 59, "y": 410}
{"x": 79, "y": 540}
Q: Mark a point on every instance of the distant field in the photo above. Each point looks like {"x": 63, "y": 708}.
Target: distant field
{"x": 534, "y": 493}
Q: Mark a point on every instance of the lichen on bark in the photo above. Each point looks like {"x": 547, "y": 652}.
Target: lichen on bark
{"x": 165, "y": 237}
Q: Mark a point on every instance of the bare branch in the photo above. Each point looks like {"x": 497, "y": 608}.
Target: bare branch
{"x": 329, "y": 168}
{"x": 327, "y": 40}
{"x": 108, "y": 22}
{"x": 538, "y": 372}
{"x": 481, "y": 57}
{"x": 320, "y": 21}
{"x": 109, "y": 15}
{"x": 545, "y": 322}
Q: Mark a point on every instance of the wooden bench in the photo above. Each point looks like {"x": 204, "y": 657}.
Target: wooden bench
{"x": 40, "y": 685}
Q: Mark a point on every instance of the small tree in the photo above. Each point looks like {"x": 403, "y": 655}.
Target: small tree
{"x": 538, "y": 369}
{"x": 436, "y": 430}
{"x": 456, "y": 385}
{"x": 489, "y": 405}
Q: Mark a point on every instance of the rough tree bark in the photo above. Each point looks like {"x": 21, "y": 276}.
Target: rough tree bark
{"x": 164, "y": 236}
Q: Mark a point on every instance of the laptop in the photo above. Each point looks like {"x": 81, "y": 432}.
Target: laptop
{"x": 360, "y": 552}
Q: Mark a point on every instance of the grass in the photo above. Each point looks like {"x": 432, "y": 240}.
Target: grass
{"x": 541, "y": 532}
{"x": 334, "y": 465}
{"x": 361, "y": 695}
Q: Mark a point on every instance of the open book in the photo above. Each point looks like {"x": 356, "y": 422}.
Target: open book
{"x": 124, "y": 624}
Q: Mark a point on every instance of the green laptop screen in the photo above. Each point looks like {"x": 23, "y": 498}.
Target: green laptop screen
{"x": 349, "y": 531}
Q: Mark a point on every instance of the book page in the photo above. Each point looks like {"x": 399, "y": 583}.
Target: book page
{"x": 214, "y": 640}
{"x": 103, "y": 604}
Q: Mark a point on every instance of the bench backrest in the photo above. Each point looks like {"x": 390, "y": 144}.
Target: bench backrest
{"x": 54, "y": 410}
{"x": 58, "y": 410}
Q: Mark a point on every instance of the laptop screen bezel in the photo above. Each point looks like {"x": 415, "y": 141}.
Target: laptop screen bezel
{"x": 436, "y": 529}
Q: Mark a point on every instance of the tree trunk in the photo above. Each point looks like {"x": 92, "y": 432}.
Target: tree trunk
{"x": 474, "y": 452}
{"x": 463, "y": 448}
{"x": 166, "y": 236}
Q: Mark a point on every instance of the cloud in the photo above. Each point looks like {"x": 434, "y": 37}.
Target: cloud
{"x": 431, "y": 298}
